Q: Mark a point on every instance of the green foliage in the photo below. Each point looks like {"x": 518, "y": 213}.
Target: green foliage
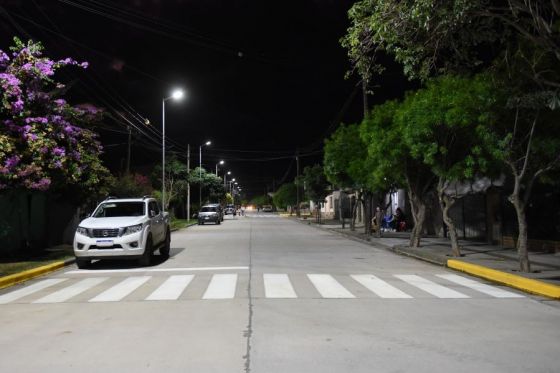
{"x": 315, "y": 183}
{"x": 176, "y": 177}
{"x": 345, "y": 157}
{"x": 441, "y": 122}
{"x": 386, "y": 149}
{"x": 286, "y": 195}
{"x": 446, "y": 36}
{"x": 212, "y": 185}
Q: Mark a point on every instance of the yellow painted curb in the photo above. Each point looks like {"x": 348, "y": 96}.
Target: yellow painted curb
{"x": 515, "y": 281}
{"x": 29, "y": 274}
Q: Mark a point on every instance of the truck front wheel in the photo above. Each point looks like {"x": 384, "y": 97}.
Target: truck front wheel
{"x": 166, "y": 248}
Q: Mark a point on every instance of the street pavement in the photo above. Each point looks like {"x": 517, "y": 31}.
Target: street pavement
{"x": 265, "y": 294}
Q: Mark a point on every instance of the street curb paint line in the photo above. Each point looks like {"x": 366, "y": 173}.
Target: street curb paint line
{"x": 514, "y": 281}
{"x": 17, "y": 278}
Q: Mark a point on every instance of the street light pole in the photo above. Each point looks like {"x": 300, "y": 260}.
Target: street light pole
{"x": 176, "y": 95}
{"x": 188, "y": 183}
{"x": 221, "y": 162}
{"x": 226, "y": 173}
{"x": 200, "y": 173}
{"x": 163, "y": 156}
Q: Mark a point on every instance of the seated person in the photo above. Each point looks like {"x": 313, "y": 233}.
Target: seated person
{"x": 400, "y": 220}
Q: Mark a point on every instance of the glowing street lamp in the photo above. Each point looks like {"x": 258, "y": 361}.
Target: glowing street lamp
{"x": 221, "y": 162}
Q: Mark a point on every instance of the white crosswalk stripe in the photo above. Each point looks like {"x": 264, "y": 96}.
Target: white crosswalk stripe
{"x": 328, "y": 287}
{"x": 275, "y": 286}
{"x": 483, "y": 288}
{"x": 221, "y": 287}
{"x": 172, "y": 288}
{"x": 28, "y": 290}
{"x": 71, "y": 291}
{"x": 278, "y": 286}
{"x": 121, "y": 290}
{"x": 431, "y": 287}
{"x": 380, "y": 287}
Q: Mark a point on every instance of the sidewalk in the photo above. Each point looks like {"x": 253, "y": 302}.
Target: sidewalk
{"x": 491, "y": 262}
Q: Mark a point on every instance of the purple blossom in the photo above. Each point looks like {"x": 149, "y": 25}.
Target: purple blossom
{"x": 84, "y": 65}
{"x": 17, "y": 106}
{"x": 4, "y": 59}
{"x": 12, "y": 161}
{"x": 32, "y": 137}
{"x": 45, "y": 67}
{"x": 42, "y": 120}
{"x": 76, "y": 155}
{"x": 44, "y": 150}
{"x": 42, "y": 184}
{"x": 60, "y": 102}
{"x": 57, "y": 164}
{"x": 59, "y": 152}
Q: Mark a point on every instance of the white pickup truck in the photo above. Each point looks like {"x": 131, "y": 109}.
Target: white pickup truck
{"x": 131, "y": 228}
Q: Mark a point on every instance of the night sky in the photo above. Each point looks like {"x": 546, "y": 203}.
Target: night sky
{"x": 264, "y": 79}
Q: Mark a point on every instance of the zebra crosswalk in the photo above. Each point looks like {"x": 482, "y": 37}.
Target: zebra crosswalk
{"x": 225, "y": 286}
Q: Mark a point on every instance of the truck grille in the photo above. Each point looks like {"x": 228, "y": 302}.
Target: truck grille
{"x": 100, "y": 233}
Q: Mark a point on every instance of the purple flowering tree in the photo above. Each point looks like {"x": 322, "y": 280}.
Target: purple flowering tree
{"x": 44, "y": 141}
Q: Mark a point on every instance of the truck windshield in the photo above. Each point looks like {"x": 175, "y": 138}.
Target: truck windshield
{"x": 113, "y": 209}
{"x": 208, "y": 209}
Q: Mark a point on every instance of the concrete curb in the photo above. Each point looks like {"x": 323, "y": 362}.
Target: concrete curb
{"x": 514, "y": 281}
{"x": 185, "y": 227}
{"x": 17, "y": 278}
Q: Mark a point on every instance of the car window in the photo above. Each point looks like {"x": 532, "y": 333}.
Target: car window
{"x": 154, "y": 207}
{"x": 208, "y": 209}
{"x": 113, "y": 209}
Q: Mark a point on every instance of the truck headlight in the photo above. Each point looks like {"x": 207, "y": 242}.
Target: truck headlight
{"x": 132, "y": 229}
{"x": 82, "y": 231}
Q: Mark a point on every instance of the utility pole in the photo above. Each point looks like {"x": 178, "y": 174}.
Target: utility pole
{"x": 188, "y": 183}
{"x": 298, "y": 214}
{"x": 128, "y": 153}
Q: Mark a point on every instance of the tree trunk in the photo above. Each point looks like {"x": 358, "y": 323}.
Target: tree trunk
{"x": 445, "y": 203}
{"x": 378, "y": 218}
{"x": 418, "y": 208}
{"x": 419, "y": 218}
{"x": 353, "y": 219}
{"x": 367, "y": 218}
{"x": 522, "y": 252}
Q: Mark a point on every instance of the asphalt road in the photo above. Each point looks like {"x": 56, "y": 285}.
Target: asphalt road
{"x": 265, "y": 294}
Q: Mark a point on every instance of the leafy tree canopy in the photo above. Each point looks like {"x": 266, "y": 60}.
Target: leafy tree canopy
{"x": 345, "y": 154}
{"x": 286, "y": 195}
{"x": 442, "y": 36}
{"x": 315, "y": 183}
{"x": 441, "y": 124}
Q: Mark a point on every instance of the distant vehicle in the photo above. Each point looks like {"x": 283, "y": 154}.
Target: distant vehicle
{"x": 267, "y": 208}
{"x": 220, "y": 209}
{"x": 230, "y": 209}
{"x": 131, "y": 228}
{"x": 209, "y": 213}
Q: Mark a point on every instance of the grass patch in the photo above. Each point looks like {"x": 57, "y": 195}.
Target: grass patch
{"x": 181, "y": 223}
{"x": 9, "y": 266}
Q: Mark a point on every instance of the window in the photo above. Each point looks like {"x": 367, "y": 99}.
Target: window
{"x": 154, "y": 207}
{"x": 113, "y": 209}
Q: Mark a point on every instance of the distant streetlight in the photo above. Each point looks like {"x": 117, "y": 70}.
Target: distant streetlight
{"x": 207, "y": 143}
{"x": 221, "y": 162}
{"x": 226, "y": 173}
{"x": 175, "y": 95}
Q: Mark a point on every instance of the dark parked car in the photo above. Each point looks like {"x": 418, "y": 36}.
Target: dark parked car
{"x": 209, "y": 213}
